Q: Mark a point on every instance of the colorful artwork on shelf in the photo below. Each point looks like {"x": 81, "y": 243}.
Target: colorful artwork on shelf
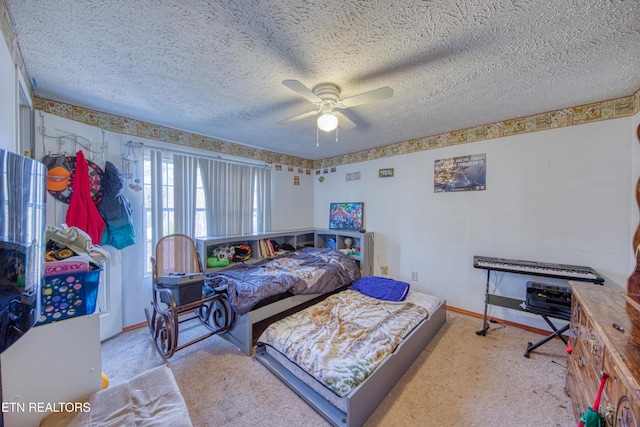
{"x": 346, "y": 216}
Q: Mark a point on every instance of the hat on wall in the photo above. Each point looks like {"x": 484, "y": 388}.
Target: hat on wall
{"x": 58, "y": 172}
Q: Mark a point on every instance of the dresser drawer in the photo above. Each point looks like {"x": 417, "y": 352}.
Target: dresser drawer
{"x": 583, "y": 379}
{"x": 618, "y": 404}
{"x": 575, "y": 327}
{"x": 589, "y": 348}
{"x": 600, "y": 347}
{"x": 627, "y": 413}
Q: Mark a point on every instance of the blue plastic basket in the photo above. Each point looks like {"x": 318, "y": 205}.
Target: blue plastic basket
{"x": 69, "y": 295}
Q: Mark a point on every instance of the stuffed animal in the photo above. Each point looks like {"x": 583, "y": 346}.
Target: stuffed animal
{"x": 220, "y": 256}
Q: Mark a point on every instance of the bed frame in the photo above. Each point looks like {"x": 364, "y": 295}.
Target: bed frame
{"x": 241, "y": 332}
{"x": 364, "y": 399}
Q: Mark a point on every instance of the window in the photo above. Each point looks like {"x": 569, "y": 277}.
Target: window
{"x": 166, "y": 176}
{"x": 228, "y": 198}
{"x": 167, "y": 198}
{"x": 146, "y": 206}
{"x": 201, "y": 210}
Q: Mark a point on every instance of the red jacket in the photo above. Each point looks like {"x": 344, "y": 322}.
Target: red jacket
{"x": 83, "y": 212}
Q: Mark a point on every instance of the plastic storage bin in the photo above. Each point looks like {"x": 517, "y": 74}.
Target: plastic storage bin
{"x": 69, "y": 295}
{"x": 183, "y": 293}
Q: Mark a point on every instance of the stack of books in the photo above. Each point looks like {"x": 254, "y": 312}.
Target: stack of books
{"x": 266, "y": 248}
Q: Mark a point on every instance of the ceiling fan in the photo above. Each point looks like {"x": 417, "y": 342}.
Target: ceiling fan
{"x": 326, "y": 97}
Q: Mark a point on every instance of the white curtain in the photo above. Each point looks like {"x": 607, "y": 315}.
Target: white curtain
{"x": 263, "y": 199}
{"x": 185, "y": 175}
{"x": 229, "y": 196}
{"x": 157, "y": 226}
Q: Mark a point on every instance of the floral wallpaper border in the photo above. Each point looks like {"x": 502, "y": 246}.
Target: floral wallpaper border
{"x": 604, "y": 110}
{"x": 138, "y": 128}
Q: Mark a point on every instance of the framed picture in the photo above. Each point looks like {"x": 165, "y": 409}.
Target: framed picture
{"x": 346, "y": 216}
{"x": 353, "y": 176}
{"x": 464, "y": 173}
{"x": 385, "y": 173}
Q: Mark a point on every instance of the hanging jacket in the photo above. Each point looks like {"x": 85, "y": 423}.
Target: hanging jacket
{"x": 82, "y": 211}
{"x": 116, "y": 210}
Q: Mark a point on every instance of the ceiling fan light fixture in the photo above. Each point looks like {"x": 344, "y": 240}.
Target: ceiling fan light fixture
{"x": 327, "y": 122}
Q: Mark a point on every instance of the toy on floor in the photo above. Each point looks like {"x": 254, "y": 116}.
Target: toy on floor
{"x": 105, "y": 381}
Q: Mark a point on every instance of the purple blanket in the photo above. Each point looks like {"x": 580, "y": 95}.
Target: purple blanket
{"x": 307, "y": 271}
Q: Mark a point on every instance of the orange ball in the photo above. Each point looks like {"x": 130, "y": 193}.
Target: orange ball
{"x": 105, "y": 381}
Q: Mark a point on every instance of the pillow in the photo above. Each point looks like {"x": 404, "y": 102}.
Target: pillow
{"x": 382, "y": 288}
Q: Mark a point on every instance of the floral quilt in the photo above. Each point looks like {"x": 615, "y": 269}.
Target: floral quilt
{"x": 341, "y": 340}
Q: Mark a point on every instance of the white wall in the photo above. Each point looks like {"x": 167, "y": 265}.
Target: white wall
{"x": 561, "y": 196}
{"x": 292, "y": 205}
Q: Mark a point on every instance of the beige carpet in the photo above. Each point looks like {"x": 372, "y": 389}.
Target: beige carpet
{"x": 460, "y": 379}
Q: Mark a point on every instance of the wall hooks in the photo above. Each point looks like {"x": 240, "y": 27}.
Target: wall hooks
{"x": 129, "y": 163}
{"x": 66, "y": 137}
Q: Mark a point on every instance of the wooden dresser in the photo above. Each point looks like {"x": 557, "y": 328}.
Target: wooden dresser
{"x": 599, "y": 347}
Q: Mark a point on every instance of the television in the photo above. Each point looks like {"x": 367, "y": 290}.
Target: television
{"x": 346, "y": 216}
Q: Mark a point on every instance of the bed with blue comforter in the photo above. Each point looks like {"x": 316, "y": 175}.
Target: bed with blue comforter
{"x": 303, "y": 272}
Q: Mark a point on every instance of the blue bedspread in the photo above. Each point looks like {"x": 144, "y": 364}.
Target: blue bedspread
{"x": 307, "y": 271}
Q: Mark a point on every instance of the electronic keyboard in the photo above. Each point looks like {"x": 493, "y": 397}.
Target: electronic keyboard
{"x": 560, "y": 271}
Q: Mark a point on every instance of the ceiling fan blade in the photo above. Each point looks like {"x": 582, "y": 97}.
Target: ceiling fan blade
{"x": 371, "y": 96}
{"x": 301, "y": 90}
{"x": 344, "y": 122}
{"x": 298, "y": 117}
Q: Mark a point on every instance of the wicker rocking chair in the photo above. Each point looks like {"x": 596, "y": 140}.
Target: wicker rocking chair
{"x": 177, "y": 253}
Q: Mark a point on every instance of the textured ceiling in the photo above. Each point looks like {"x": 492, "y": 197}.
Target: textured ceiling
{"x": 215, "y": 67}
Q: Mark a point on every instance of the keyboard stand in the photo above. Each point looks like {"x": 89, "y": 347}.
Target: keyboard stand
{"x": 485, "y": 324}
{"x": 559, "y": 271}
{"x": 499, "y": 300}
{"x": 556, "y": 333}
{"x": 516, "y": 304}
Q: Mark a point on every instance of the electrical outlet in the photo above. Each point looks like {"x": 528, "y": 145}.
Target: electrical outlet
{"x": 384, "y": 269}
{"x": 414, "y": 276}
